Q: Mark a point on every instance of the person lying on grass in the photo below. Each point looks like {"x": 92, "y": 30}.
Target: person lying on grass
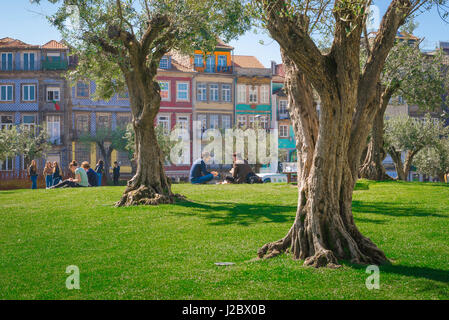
{"x": 198, "y": 172}
{"x": 79, "y": 181}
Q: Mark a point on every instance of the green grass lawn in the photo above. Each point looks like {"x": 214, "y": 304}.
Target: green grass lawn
{"x": 168, "y": 252}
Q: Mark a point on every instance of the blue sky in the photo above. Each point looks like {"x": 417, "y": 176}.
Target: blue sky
{"x": 21, "y": 20}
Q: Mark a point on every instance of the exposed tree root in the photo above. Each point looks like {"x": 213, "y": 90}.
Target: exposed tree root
{"x": 143, "y": 196}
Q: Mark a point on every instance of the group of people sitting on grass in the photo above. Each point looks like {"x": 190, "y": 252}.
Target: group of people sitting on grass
{"x": 241, "y": 171}
{"x": 85, "y": 176}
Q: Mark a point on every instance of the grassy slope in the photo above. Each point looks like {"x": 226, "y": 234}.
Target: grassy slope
{"x": 168, "y": 252}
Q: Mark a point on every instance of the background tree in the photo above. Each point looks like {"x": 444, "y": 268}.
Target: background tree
{"x": 410, "y": 135}
{"x": 22, "y": 140}
{"x": 330, "y": 146}
{"x": 434, "y": 160}
{"x": 106, "y": 141}
{"x": 419, "y": 79}
{"x": 163, "y": 139}
{"x": 119, "y": 45}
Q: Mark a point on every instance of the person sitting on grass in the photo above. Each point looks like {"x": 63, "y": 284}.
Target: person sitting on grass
{"x": 198, "y": 172}
{"x": 57, "y": 173}
{"x": 91, "y": 174}
{"x": 241, "y": 172}
{"x": 79, "y": 181}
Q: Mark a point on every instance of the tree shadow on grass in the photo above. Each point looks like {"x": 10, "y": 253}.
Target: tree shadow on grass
{"x": 393, "y": 209}
{"x": 409, "y": 271}
{"x": 245, "y": 214}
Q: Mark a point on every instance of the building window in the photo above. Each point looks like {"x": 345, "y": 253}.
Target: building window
{"x": 28, "y": 61}
{"x": 241, "y": 120}
{"x": 264, "y": 122}
{"x": 6, "y": 62}
{"x": 283, "y": 110}
{"x": 82, "y": 152}
{"x": 182, "y": 91}
{"x": 183, "y": 122}
{"x": 222, "y": 63}
{"x": 203, "y": 119}
{"x": 265, "y": 94}
{"x": 251, "y": 121}
{"x": 123, "y": 158}
{"x": 252, "y": 94}
{"x": 241, "y": 92}
{"x": 201, "y": 89}
{"x": 226, "y": 92}
{"x": 82, "y": 90}
{"x": 164, "y": 121}
{"x": 213, "y": 92}
{"x": 6, "y": 92}
{"x": 29, "y": 92}
{"x": 210, "y": 63}
{"x": 226, "y": 122}
{"x": 283, "y": 131}
{"x": 82, "y": 124}
{"x": 199, "y": 61}
{"x": 103, "y": 121}
{"x": 122, "y": 121}
{"x": 53, "y": 93}
{"x": 54, "y": 129}
{"x": 165, "y": 90}
{"x": 6, "y": 122}
{"x": 164, "y": 63}
{"x": 7, "y": 164}
{"x": 214, "y": 121}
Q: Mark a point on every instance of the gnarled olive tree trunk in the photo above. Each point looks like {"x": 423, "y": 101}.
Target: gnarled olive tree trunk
{"x": 372, "y": 167}
{"x": 330, "y": 148}
{"x": 149, "y": 185}
{"x": 324, "y": 229}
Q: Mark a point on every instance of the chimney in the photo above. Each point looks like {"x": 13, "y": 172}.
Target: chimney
{"x": 273, "y": 67}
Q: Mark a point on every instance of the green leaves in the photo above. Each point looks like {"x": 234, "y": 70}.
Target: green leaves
{"x": 22, "y": 140}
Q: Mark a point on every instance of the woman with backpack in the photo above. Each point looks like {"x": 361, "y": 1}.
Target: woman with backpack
{"x": 99, "y": 169}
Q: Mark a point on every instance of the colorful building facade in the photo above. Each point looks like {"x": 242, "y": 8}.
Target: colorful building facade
{"x": 253, "y": 93}
{"x": 33, "y": 92}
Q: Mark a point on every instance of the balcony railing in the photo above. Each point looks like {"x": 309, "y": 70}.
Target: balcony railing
{"x": 54, "y": 65}
{"x": 217, "y": 69}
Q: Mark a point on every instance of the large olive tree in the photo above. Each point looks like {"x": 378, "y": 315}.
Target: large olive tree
{"x": 119, "y": 44}
{"x": 330, "y": 144}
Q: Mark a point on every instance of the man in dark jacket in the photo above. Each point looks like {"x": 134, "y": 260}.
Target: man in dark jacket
{"x": 198, "y": 172}
{"x": 92, "y": 176}
{"x": 116, "y": 173}
{"x": 241, "y": 172}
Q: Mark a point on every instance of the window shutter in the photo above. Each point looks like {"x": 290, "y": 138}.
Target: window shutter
{"x": 9, "y": 93}
{"x": 25, "y": 61}
{"x": 25, "y": 93}
{"x": 9, "y": 61}
{"x": 31, "y": 61}
{"x": 3, "y": 61}
{"x": 3, "y": 93}
{"x": 32, "y": 92}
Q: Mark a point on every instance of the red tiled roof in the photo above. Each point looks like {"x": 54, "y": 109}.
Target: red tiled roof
{"x": 52, "y": 44}
{"x": 14, "y": 43}
{"x": 221, "y": 44}
{"x": 247, "y": 62}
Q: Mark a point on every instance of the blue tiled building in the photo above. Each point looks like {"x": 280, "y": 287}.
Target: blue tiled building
{"x": 33, "y": 92}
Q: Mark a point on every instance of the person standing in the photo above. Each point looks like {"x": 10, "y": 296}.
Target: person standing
{"x": 99, "y": 169}
{"x": 48, "y": 174}
{"x": 32, "y": 172}
{"x": 57, "y": 173}
{"x": 116, "y": 173}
